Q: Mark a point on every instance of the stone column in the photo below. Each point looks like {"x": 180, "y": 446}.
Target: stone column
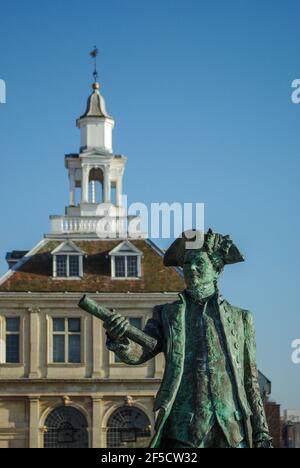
{"x": 119, "y": 190}
{"x": 85, "y": 183}
{"x": 34, "y": 351}
{"x": 72, "y": 187}
{"x": 34, "y": 421}
{"x": 97, "y": 436}
{"x": 107, "y": 191}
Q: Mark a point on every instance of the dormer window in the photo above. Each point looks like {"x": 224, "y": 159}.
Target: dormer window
{"x": 61, "y": 266}
{"x": 126, "y": 261}
{"x": 126, "y": 267}
{"x": 67, "y": 261}
{"x": 74, "y": 265}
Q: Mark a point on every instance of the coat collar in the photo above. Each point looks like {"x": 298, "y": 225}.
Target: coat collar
{"x": 184, "y": 298}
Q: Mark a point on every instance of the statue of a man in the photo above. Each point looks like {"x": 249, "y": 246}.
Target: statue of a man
{"x": 209, "y": 396}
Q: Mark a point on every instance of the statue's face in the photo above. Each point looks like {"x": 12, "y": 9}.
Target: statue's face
{"x": 198, "y": 269}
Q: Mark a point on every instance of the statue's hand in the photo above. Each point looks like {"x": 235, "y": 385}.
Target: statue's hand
{"x": 263, "y": 443}
{"x": 116, "y": 326}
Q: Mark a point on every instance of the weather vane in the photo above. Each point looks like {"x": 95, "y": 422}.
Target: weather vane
{"x": 94, "y": 55}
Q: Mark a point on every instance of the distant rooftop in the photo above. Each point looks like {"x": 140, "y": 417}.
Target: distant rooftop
{"x": 15, "y": 256}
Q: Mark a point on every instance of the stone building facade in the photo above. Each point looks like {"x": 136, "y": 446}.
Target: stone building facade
{"x": 59, "y": 385}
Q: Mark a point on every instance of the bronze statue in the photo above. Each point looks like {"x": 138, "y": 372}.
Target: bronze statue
{"x": 209, "y": 396}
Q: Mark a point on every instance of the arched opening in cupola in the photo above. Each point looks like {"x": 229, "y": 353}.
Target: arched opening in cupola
{"x": 96, "y": 187}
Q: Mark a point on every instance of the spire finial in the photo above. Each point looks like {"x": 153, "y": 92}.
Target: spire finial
{"x": 94, "y": 55}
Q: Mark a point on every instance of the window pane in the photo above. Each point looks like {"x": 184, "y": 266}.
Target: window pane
{"x": 132, "y": 267}
{"x": 12, "y": 324}
{"x": 74, "y": 349}
{"x": 58, "y": 325}
{"x": 12, "y": 349}
{"x": 58, "y": 348}
{"x": 74, "y": 325}
{"x": 74, "y": 265}
{"x": 61, "y": 265}
{"x": 136, "y": 322}
{"x": 120, "y": 267}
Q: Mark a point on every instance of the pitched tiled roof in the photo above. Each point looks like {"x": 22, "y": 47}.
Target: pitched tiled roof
{"x": 35, "y": 275}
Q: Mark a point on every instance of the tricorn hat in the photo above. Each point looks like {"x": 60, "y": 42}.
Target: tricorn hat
{"x": 221, "y": 249}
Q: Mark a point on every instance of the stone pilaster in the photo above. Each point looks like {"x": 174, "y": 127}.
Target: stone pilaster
{"x": 34, "y": 350}
{"x": 97, "y": 348}
{"x": 97, "y": 435}
{"x": 34, "y": 421}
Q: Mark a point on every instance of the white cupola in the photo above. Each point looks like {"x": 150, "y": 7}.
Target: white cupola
{"x": 95, "y": 180}
{"x": 95, "y": 124}
{"x": 97, "y": 207}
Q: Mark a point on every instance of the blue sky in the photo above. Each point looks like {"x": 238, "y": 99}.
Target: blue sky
{"x": 201, "y": 93}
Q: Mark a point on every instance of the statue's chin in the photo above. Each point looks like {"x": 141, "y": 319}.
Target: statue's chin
{"x": 199, "y": 290}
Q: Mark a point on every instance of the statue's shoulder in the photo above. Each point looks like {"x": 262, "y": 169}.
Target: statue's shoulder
{"x": 243, "y": 313}
{"x": 158, "y": 310}
{"x": 166, "y": 308}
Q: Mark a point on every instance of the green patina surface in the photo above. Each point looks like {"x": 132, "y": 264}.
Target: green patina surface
{"x": 210, "y": 394}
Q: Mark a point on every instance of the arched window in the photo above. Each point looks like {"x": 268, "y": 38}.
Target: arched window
{"x": 96, "y": 186}
{"x": 66, "y": 427}
{"x": 128, "y": 427}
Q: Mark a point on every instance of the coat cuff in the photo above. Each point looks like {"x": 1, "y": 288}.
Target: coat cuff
{"x": 263, "y": 440}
